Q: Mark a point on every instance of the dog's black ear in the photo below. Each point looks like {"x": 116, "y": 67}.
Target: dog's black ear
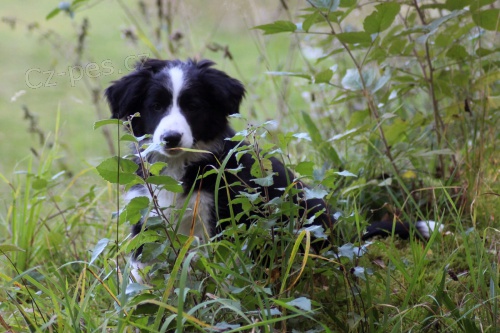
{"x": 225, "y": 91}
{"x": 125, "y": 95}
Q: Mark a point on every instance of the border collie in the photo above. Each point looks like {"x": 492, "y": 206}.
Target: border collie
{"x": 184, "y": 109}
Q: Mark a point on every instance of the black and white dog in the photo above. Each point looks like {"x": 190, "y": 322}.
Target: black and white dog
{"x": 184, "y": 109}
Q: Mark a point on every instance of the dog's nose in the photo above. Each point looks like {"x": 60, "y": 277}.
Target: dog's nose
{"x": 171, "y": 139}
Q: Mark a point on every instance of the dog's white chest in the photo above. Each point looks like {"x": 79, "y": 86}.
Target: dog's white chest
{"x": 185, "y": 214}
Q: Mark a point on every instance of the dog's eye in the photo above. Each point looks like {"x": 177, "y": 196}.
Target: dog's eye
{"x": 156, "y": 107}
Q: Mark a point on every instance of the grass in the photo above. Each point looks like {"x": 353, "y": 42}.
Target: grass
{"x": 63, "y": 254}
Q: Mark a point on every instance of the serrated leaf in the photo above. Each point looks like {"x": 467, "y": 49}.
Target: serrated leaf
{"x": 381, "y": 18}
{"x": 98, "y": 249}
{"x": 157, "y": 167}
{"x": 167, "y": 182}
{"x": 488, "y": 19}
{"x": 135, "y": 208}
{"x": 118, "y": 170}
{"x": 354, "y": 37}
{"x": 104, "y": 122}
{"x": 277, "y": 27}
{"x": 302, "y": 303}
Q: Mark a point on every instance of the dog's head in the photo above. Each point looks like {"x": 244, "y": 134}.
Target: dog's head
{"x": 180, "y": 103}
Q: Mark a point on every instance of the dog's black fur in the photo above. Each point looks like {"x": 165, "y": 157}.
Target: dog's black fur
{"x": 186, "y": 105}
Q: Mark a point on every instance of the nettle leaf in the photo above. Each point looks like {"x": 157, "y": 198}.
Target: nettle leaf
{"x": 382, "y": 18}
{"x": 118, "y": 170}
{"x": 354, "y": 37}
{"x": 330, "y": 5}
{"x": 277, "y": 27}
{"x": 167, "y": 182}
{"x": 488, "y": 19}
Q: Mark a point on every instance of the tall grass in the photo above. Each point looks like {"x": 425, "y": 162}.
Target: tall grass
{"x": 425, "y": 152}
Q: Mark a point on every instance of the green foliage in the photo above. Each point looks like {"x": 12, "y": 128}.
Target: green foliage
{"x": 394, "y": 114}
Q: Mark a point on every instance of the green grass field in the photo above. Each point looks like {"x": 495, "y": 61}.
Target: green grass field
{"x": 388, "y": 111}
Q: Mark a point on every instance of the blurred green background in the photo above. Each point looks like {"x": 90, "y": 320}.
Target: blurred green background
{"x": 45, "y": 73}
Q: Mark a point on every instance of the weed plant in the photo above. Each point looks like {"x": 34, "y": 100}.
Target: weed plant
{"x": 387, "y": 110}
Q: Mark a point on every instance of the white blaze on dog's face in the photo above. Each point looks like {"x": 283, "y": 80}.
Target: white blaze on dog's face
{"x": 173, "y": 130}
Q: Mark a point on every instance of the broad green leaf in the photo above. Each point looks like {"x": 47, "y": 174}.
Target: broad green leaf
{"x": 39, "y": 183}
{"x": 488, "y": 19}
{"x": 103, "y": 122}
{"x": 323, "y": 76}
{"x": 151, "y": 251}
{"x": 98, "y": 249}
{"x": 354, "y": 37}
{"x": 157, "y": 167}
{"x": 314, "y": 193}
{"x": 277, "y": 27}
{"x": 264, "y": 181}
{"x": 305, "y": 168}
{"x": 118, "y": 170}
{"x": 129, "y": 138}
{"x": 134, "y": 210}
{"x": 457, "y": 4}
{"x": 457, "y": 52}
{"x": 167, "y": 182}
{"x": 382, "y": 18}
{"x": 310, "y": 20}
